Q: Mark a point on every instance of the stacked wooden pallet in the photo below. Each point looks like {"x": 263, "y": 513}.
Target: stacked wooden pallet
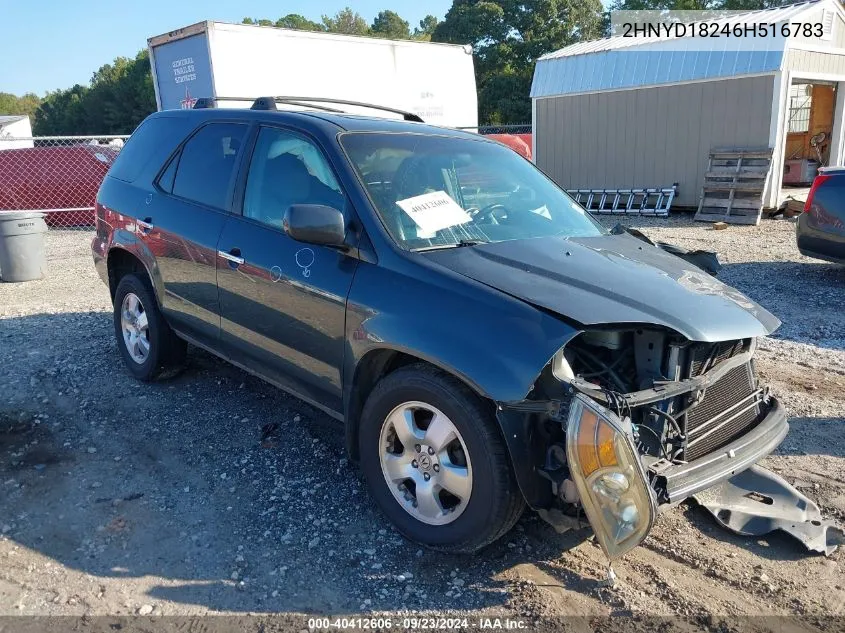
{"x": 733, "y": 186}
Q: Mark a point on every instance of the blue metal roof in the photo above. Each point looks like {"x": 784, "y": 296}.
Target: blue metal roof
{"x": 628, "y": 68}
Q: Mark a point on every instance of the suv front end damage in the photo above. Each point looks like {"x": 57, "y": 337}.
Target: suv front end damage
{"x": 639, "y": 419}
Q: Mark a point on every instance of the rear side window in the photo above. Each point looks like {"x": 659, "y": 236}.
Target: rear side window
{"x": 148, "y": 147}
{"x": 208, "y": 163}
{"x": 165, "y": 181}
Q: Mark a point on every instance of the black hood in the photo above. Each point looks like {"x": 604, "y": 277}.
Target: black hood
{"x": 612, "y": 279}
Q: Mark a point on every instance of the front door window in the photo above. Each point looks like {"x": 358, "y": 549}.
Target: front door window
{"x": 287, "y": 169}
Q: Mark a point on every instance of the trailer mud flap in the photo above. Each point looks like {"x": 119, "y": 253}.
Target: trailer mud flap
{"x": 757, "y": 501}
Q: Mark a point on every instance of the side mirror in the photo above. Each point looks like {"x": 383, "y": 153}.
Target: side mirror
{"x": 315, "y": 224}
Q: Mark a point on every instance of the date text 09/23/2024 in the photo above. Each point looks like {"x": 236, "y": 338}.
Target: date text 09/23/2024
{"x": 416, "y": 623}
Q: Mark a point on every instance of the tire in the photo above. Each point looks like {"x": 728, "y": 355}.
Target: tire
{"x": 159, "y": 349}
{"x": 494, "y": 502}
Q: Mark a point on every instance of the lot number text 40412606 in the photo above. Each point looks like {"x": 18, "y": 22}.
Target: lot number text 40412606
{"x": 380, "y": 623}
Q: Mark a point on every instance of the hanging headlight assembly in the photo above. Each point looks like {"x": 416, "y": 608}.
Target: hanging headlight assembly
{"x": 604, "y": 464}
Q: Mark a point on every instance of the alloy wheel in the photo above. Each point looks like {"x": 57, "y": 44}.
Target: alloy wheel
{"x": 135, "y": 328}
{"x": 425, "y": 463}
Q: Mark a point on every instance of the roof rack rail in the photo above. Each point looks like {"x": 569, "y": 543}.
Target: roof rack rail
{"x": 408, "y": 116}
{"x": 204, "y": 102}
{"x": 269, "y": 103}
{"x": 211, "y": 102}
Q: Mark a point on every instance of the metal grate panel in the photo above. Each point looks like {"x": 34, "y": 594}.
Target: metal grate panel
{"x": 730, "y": 408}
{"x": 702, "y": 352}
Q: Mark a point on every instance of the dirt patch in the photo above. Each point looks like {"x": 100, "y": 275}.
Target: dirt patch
{"x": 213, "y": 492}
{"x": 816, "y": 381}
{"x": 26, "y": 443}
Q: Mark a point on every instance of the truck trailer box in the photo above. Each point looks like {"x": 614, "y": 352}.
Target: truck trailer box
{"x": 217, "y": 59}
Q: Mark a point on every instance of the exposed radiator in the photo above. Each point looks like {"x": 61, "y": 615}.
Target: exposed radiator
{"x": 731, "y": 406}
{"x": 703, "y": 356}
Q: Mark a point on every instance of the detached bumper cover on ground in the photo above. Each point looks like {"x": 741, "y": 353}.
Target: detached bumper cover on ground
{"x": 757, "y": 501}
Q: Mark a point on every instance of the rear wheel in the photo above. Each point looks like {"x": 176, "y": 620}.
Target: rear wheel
{"x": 146, "y": 343}
{"x": 435, "y": 461}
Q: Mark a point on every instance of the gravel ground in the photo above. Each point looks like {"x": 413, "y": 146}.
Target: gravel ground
{"x": 123, "y": 498}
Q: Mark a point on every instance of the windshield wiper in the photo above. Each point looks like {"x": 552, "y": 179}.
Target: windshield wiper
{"x": 457, "y": 244}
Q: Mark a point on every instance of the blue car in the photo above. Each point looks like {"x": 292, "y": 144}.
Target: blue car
{"x": 483, "y": 342}
{"x": 820, "y": 232}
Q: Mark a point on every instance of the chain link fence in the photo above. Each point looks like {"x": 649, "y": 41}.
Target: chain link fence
{"x": 517, "y": 136}
{"x": 511, "y": 128}
{"x": 60, "y": 175}
{"x": 57, "y": 175}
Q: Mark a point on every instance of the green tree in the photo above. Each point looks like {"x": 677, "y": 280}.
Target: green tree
{"x": 695, "y": 5}
{"x": 296, "y": 21}
{"x": 346, "y": 21}
{"x": 258, "y": 21}
{"x": 390, "y": 25}
{"x": 118, "y": 98}
{"x": 61, "y": 112}
{"x": 507, "y": 36}
{"x": 660, "y": 5}
{"x": 12, "y": 104}
{"x": 426, "y": 28}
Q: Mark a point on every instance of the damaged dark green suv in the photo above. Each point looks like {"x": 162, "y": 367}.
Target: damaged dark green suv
{"x": 485, "y": 343}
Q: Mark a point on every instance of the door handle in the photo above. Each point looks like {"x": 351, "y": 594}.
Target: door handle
{"x": 233, "y": 256}
{"x": 145, "y": 225}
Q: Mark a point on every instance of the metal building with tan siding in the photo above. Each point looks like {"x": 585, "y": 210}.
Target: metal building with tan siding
{"x": 627, "y": 112}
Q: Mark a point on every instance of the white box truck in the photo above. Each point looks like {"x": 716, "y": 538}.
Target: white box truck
{"x": 216, "y": 59}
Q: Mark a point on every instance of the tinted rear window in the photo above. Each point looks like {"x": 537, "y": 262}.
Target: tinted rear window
{"x": 165, "y": 181}
{"x": 208, "y": 163}
{"x": 829, "y": 195}
{"x": 148, "y": 147}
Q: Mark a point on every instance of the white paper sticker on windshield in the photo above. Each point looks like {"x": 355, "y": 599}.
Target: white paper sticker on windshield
{"x": 434, "y": 211}
{"x": 543, "y": 212}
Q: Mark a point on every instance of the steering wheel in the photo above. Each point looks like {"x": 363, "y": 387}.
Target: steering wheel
{"x": 488, "y": 211}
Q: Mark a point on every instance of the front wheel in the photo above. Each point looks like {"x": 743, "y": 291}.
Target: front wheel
{"x": 436, "y": 462}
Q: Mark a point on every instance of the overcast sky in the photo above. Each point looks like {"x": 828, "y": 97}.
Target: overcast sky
{"x": 50, "y": 44}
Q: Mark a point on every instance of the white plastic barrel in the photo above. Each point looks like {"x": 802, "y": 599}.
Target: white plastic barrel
{"x": 23, "y": 256}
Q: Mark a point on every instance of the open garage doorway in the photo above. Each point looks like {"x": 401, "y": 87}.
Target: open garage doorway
{"x": 809, "y": 130}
